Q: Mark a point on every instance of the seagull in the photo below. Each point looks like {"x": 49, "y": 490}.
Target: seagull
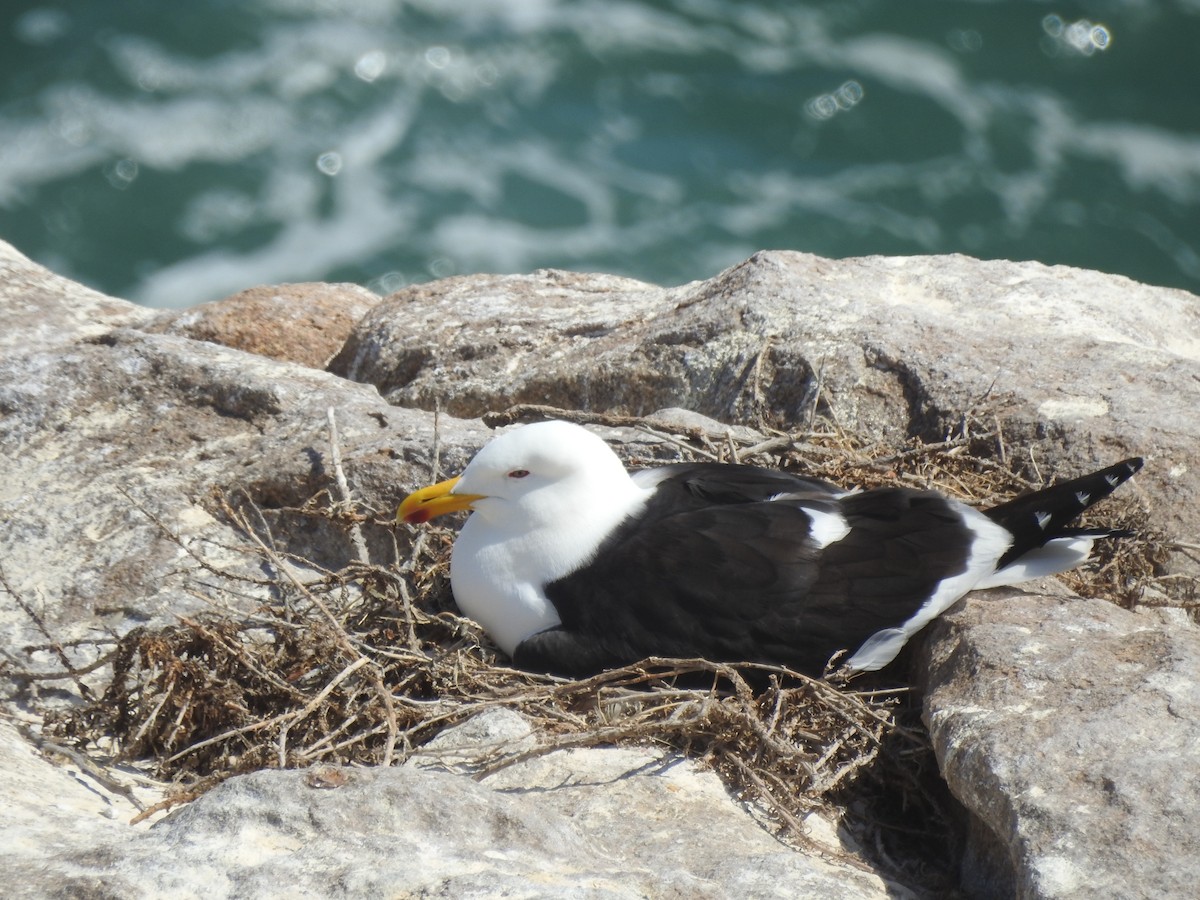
{"x": 574, "y": 565}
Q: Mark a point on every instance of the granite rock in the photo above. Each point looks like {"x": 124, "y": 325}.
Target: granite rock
{"x": 1065, "y": 727}
{"x": 301, "y": 323}
{"x": 1091, "y": 367}
{"x": 598, "y": 823}
{"x": 1070, "y": 730}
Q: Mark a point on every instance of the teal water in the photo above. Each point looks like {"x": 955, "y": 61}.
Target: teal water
{"x": 172, "y": 153}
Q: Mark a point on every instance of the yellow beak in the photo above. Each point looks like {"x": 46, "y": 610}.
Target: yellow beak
{"x": 435, "y": 500}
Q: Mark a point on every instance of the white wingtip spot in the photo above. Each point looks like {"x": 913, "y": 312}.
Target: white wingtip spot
{"x": 1043, "y": 519}
{"x": 1083, "y": 497}
{"x": 827, "y": 527}
{"x": 1112, "y": 480}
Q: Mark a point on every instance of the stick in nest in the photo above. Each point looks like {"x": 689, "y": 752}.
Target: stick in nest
{"x": 54, "y": 646}
{"x": 343, "y": 486}
{"x": 368, "y": 676}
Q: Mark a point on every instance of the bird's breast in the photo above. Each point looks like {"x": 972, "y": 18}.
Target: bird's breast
{"x": 498, "y": 582}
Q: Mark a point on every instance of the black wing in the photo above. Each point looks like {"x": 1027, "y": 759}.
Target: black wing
{"x": 745, "y": 581}
{"x": 697, "y": 485}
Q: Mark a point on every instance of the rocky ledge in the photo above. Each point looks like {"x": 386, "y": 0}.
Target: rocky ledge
{"x": 1067, "y": 729}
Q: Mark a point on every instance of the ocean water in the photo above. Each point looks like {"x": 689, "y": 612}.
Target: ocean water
{"x": 172, "y": 153}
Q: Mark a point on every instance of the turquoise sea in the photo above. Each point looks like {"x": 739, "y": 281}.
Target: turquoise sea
{"x": 172, "y": 153}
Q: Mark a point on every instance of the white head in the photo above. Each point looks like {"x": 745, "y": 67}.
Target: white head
{"x": 543, "y": 497}
{"x": 547, "y": 473}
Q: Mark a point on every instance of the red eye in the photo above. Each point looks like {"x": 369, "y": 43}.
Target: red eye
{"x": 518, "y": 473}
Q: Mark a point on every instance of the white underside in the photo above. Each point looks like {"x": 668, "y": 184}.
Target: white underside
{"x": 1059, "y": 555}
{"x": 510, "y": 607}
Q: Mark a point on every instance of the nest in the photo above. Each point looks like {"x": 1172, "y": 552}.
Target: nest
{"x": 365, "y": 665}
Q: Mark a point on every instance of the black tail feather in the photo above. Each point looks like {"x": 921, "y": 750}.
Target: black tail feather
{"x": 1037, "y": 517}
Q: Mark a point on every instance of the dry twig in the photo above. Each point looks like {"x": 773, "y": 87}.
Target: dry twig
{"x": 365, "y": 665}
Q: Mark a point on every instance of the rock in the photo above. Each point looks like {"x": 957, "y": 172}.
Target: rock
{"x": 124, "y": 439}
{"x": 123, "y": 435}
{"x": 469, "y": 743}
{"x": 1093, "y": 367}
{"x": 1065, "y": 727}
{"x": 117, "y": 440}
{"x": 301, "y": 323}
{"x": 1070, "y": 729}
{"x": 51, "y": 807}
{"x": 574, "y": 824}
{"x": 39, "y": 309}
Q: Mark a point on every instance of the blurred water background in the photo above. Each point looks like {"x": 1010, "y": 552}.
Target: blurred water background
{"x": 171, "y": 153}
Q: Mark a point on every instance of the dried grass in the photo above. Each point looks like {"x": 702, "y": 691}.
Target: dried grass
{"x": 365, "y": 665}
